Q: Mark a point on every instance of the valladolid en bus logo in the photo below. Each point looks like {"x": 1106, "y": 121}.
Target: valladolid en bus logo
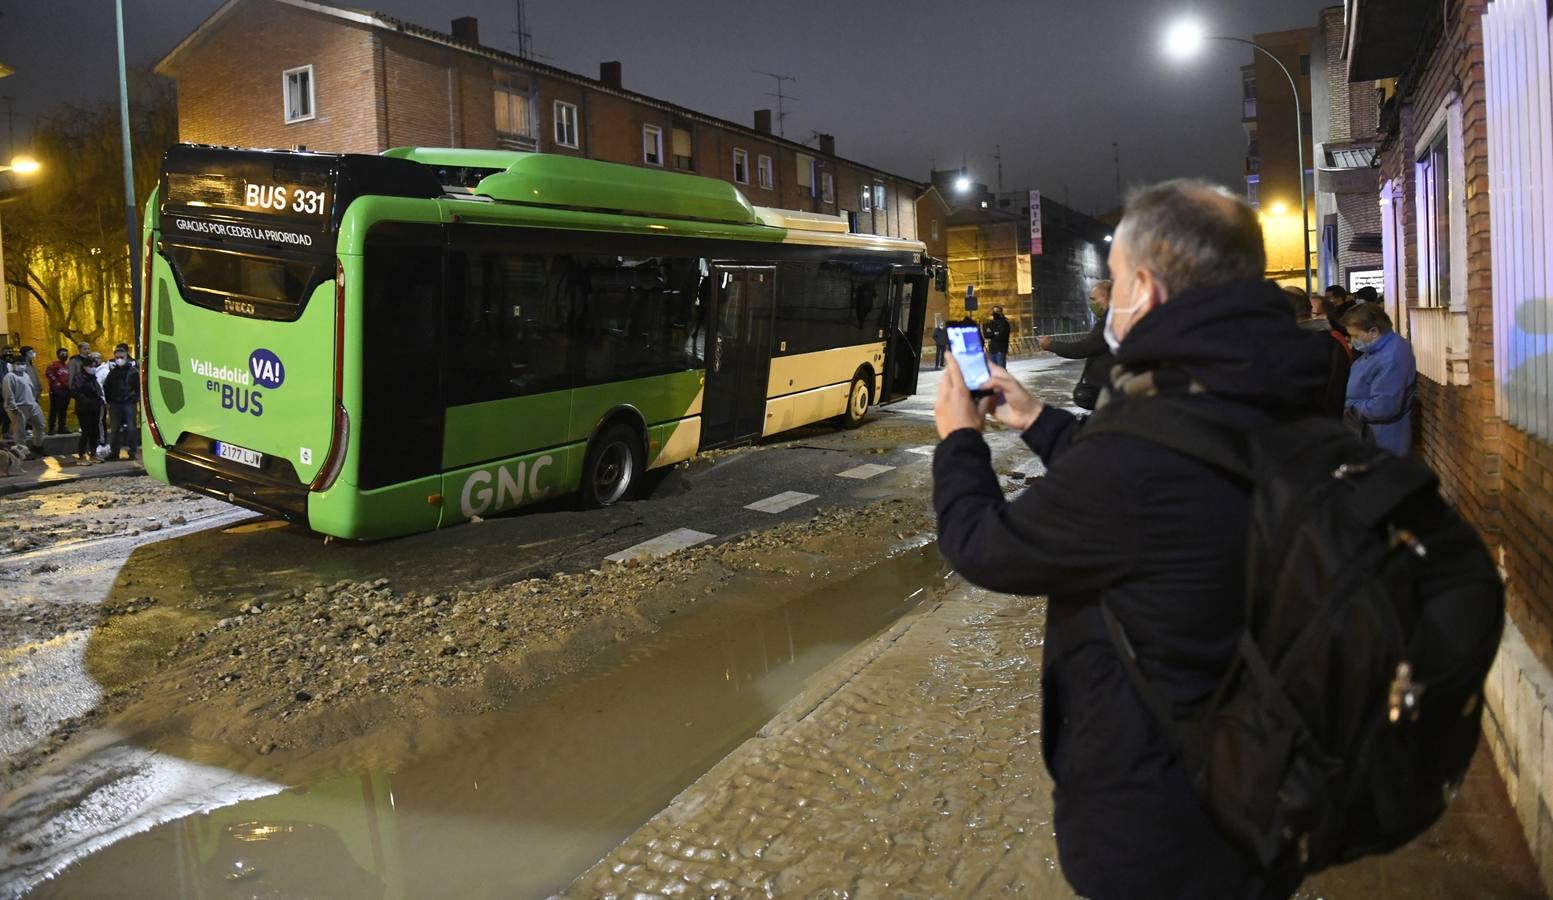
{"x": 266, "y": 368}
{"x": 235, "y": 386}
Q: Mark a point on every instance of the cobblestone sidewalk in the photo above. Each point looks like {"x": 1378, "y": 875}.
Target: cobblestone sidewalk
{"x": 912, "y": 768}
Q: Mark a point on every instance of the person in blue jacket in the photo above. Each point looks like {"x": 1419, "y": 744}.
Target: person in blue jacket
{"x": 1383, "y": 379}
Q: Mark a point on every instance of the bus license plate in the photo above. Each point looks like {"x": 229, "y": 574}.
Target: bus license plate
{"x": 240, "y": 454}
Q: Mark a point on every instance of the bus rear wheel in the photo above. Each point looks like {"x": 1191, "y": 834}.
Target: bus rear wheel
{"x": 858, "y": 396}
{"x": 612, "y": 468}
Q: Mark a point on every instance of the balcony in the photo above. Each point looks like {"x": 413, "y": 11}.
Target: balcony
{"x": 1439, "y": 338}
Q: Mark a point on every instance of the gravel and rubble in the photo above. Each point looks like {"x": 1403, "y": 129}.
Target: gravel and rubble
{"x": 311, "y": 668}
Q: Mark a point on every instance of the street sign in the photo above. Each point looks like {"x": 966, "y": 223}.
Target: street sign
{"x": 1375, "y": 278}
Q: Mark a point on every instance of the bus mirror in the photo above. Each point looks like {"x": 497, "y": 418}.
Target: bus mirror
{"x": 941, "y": 279}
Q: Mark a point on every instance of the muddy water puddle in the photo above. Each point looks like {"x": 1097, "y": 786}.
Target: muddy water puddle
{"x": 540, "y": 790}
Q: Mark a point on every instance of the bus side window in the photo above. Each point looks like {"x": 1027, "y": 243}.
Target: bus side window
{"x": 507, "y": 330}
{"x": 638, "y": 315}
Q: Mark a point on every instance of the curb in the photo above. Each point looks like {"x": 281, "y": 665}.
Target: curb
{"x": 21, "y": 487}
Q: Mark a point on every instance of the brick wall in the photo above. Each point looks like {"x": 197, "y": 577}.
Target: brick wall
{"x": 230, "y": 85}
{"x": 1500, "y": 478}
{"x": 377, "y": 89}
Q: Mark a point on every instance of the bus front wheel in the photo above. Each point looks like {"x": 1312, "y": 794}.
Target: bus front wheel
{"x": 858, "y": 396}
{"x": 612, "y": 467}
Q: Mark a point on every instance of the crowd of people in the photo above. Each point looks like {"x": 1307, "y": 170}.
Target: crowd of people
{"x": 106, "y": 394}
{"x": 1371, "y": 373}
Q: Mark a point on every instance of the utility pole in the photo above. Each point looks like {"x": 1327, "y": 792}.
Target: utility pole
{"x": 520, "y": 29}
{"x": 781, "y": 98}
{"x": 997, "y": 154}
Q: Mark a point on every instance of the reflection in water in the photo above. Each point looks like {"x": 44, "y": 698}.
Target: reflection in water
{"x": 552, "y": 783}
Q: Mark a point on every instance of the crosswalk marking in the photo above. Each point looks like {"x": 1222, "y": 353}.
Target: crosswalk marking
{"x": 926, "y": 450}
{"x": 868, "y": 470}
{"x": 781, "y": 502}
{"x": 663, "y": 544}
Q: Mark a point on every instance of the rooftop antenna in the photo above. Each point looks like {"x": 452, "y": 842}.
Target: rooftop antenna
{"x": 782, "y": 98}
{"x": 997, "y": 154}
{"x": 1116, "y": 153}
{"x": 520, "y": 29}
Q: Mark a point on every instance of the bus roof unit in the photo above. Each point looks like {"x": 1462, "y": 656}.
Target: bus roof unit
{"x": 567, "y": 182}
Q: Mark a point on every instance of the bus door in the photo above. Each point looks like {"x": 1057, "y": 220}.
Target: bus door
{"x": 908, "y": 310}
{"x": 739, "y": 356}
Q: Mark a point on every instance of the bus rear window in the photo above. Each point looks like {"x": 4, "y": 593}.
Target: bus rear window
{"x": 274, "y": 288}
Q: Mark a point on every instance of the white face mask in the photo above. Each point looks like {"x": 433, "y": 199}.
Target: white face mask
{"x": 1111, "y": 340}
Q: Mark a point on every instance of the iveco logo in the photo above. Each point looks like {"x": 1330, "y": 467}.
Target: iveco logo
{"x": 238, "y": 306}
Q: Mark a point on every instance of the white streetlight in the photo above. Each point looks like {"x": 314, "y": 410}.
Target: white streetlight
{"x": 962, "y": 184}
{"x": 1185, "y": 38}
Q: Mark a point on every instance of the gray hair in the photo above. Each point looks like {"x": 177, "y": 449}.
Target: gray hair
{"x": 1192, "y": 234}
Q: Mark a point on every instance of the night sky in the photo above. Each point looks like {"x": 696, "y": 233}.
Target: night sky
{"x": 900, "y": 83}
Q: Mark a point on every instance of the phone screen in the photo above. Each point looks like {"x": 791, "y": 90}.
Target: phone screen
{"x": 965, "y": 344}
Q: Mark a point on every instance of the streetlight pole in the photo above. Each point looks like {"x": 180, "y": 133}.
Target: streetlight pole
{"x": 1184, "y": 39}
{"x": 1299, "y": 144}
{"x": 129, "y": 192}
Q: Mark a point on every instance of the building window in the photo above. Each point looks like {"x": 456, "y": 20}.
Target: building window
{"x": 512, "y": 112}
{"x": 828, "y": 187}
{"x": 741, "y": 167}
{"x": 766, "y": 172}
{"x": 652, "y": 145}
{"x": 566, "y": 124}
{"x": 298, "y": 84}
{"x": 1305, "y": 64}
{"x": 684, "y": 154}
{"x": 1436, "y": 201}
{"x": 805, "y": 164}
{"x": 935, "y": 229}
{"x": 1254, "y": 190}
{"x": 868, "y": 198}
{"x": 879, "y": 203}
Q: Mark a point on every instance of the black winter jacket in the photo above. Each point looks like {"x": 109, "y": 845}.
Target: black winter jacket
{"x": 122, "y": 384}
{"x": 997, "y": 330}
{"x": 1161, "y": 538}
{"x": 1093, "y": 350}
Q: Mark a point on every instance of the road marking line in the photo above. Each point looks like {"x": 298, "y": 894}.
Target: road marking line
{"x": 662, "y": 545}
{"x": 868, "y": 470}
{"x": 782, "y": 502}
{"x": 926, "y": 450}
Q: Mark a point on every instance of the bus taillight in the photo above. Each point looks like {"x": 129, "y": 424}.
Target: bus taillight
{"x": 335, "y": 460}
{"x": 145, "y": 345}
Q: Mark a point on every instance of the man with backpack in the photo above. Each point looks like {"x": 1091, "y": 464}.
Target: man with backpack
{"x": 1142, "y": 535}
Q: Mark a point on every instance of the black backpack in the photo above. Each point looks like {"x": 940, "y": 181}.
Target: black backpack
{"x": 1351, "y": 707}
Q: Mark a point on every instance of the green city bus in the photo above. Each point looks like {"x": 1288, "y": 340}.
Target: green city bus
{"x": 374, "y": 346}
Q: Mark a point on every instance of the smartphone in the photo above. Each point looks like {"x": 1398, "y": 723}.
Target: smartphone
{"x": 965, "y": 344}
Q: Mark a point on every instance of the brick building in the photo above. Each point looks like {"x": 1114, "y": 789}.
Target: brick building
{"x": 286, "y": 73}
{"x": 1464, "y": 140}
{"x": 1272, "y": 160}
{"x": 1344, "y": 118}
{"x": 989, "y": 247}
